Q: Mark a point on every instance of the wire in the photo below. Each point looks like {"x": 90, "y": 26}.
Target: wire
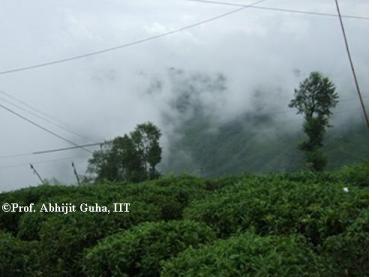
{"x": 125, "y": 45}
{"x": 41, "y": 127}
{"x": 54, "y": 150}
{"x": 69, "y": 148}
{"x": 37, "y": 113}
{"x": 42, "y": 162}
{"x": 352, "y": 65}
{"x": 279, "y": 9}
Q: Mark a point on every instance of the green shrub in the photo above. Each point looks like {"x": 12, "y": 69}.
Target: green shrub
{"x": 355, "y": 175}
{"x": 25, "y": 196}
{"x": 313, "y": 205}
{"x": 17, "y": 258}
{"x": 349, "y": 250}
{"x": 138, "y": 252}
{"x": 170, "y": 194}
{"x": 63, "y": 238}
{"x": 316, "y": 210}
{"x": 29, "y": 225}
{"x": 248, "y": 255}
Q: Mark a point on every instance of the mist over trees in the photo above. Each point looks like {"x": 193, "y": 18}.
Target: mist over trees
{"x": 208, "y": 140}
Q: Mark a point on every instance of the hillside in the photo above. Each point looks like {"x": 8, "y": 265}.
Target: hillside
{"x": 297, "y": 224}
{"x": 256, "y": 144}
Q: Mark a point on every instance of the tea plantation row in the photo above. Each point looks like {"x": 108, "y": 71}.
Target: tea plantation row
{"x": 299, "y": 224}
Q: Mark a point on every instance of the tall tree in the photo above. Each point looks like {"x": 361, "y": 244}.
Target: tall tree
{"x": 130, "y": 158}
{"x": 146, "y": 140}
{"x": 315, "y": 98}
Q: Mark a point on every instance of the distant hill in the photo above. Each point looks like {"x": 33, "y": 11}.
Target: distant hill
{"x": 256, "y": 144}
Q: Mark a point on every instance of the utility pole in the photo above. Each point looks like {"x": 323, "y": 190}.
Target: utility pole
{"x": 36, "y": 173}
{"x": 76, "y": 174}
{"x": 352, "y": 65}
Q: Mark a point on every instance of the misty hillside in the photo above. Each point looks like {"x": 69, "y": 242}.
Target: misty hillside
{"x": 246, "y": 145}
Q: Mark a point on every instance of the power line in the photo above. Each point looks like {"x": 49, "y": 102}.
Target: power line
{"x": 125, "y": 45}
{"x": 279, "y": 9}
{"x": 37, "y": 113}
{"x": 54, "y": 150}
{"x": 41, "y": 127}
{"x": 351, "y": 64}
{"x": 42, "y": 162}
{"x": 69, "y": 148}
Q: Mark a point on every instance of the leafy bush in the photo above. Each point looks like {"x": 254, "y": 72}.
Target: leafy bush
{"x": 316, "y": 210}
{"x": 138, "y": 252}
{"x": 248, "y": 255}
{"x": 25, "y": 196}
{"x": 349, "y": 250}
{"x": 170, "y": 194}
{"x": 356, "y": 175}
{"x": 63, "y": 238}
{"x": 333, "y": 221}
{"x": 17, "y": 258}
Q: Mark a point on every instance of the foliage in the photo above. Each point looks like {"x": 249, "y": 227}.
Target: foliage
{"x": 328, "y": 210}
{"x": 251, "y": 144}
{"x": 130, "y": 158}
{"x": 248, "y": 255}
{"x": 138, "y": 251}
{"x": 25, "y": 196}
{"x": 355, "y": 175}
{"x": 316, "y": 210}
{"x": 64, "y": 237}
{"x": 146, "y": 141}
{"x": 17, "y": 258}
{"x": 349, "y": 250}
{"x": 314, "y": 98}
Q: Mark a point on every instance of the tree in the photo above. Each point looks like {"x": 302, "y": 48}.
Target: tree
{"x": 315, "y": 98}
{"x": 130, "y": 158}
{"x": 146, "y": 140}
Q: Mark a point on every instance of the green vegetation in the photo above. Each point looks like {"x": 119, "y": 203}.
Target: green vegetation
{"x": 18, "y": 258}
{"x": 131, "y": 158}
{"x": 138, "y": 252}
{"x": 314, "y": 98}
{"x": 249, "y": 255}
{"x": 252, "y": 143}
{"x": 292, "y": 224}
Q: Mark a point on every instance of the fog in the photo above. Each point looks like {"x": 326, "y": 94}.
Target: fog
{"x": 261, "y": 56}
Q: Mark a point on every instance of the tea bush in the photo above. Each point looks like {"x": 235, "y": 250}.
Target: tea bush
{"x": 17, "y": 258}
{"x": 63, "y": 238}
{"x": 248, "y": 255}
{"x": 316, "y": 210}
{"x": 349, "y": 250}
{"x": 355, "y": 175}
{"x": 139, "y": 251}
{"x": 329, "y": 210}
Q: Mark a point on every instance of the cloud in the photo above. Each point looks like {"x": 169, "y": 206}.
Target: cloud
{"x": 107, "y": 95}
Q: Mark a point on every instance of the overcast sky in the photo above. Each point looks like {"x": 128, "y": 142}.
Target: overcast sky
{"x": 104, "y": 96}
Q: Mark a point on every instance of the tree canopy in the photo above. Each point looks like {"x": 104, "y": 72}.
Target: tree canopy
{"x": 315, "y": 98}
{"x": 131, "y": 158}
